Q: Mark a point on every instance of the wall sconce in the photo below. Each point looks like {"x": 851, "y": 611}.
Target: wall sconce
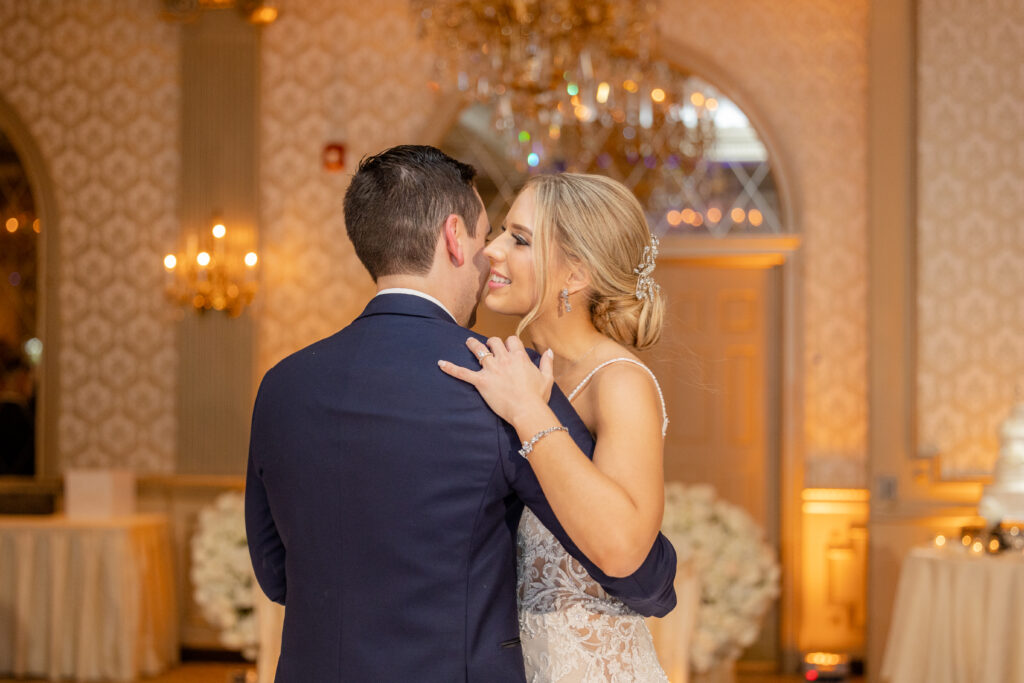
{"x": 212, "y": 273}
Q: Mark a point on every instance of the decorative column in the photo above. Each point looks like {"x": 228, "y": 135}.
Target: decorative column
{"x": 220, "y": 153}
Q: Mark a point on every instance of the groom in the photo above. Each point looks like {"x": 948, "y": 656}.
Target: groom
{"x": 383, "y": 496}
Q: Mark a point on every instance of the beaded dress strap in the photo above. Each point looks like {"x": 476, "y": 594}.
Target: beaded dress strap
{"x": 661, "y": 397}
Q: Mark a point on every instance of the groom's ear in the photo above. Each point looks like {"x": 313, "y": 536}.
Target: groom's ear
{"x": 450, "y": 234}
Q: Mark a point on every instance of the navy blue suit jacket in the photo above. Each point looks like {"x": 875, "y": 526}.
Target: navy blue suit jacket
{"x": 382, "y": 501}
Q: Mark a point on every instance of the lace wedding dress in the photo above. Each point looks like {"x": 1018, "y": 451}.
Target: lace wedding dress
{"x": 572, "y": 631}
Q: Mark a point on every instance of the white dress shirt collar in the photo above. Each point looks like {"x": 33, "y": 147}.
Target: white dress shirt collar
{"x": 416, "y": 292}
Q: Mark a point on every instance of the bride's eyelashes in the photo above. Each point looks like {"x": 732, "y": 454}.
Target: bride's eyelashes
{"x": 520, "y": 240}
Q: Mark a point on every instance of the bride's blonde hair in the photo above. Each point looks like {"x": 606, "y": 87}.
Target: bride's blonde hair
{"x": 597, "y": 224}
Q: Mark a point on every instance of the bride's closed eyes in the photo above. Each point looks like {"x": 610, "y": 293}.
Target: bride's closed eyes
{"x": 517, "y": 235}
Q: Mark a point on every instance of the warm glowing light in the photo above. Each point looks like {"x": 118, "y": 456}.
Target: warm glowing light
{"x": 170, "y": 261}
{"x": 603, "y": 90}
{"x": 658, "y": 95}
{"x": 251, "y": 259}
{"x": 737, "y": 215}
{"x": 711, "y": 104}
{"x": 582, "y": 113}
{"x": 977, "y": 547}
{"x": 263, "y": 15}
{"x": 35, "y": 226}
{"x": 940, "y": 540}
{"x": 203, "y": 259}
{"x": 993, "y": 545}
{"x": 714, "y": 214}
{"x": 630, "y": 85}
{"x": 755, "y": 217}
{"x": 697, "y": 99}
{"x": 688, "y": 215}
{"x": 811, "y": 675}
{"x": 822, "y": 659}
{"x": 34, "y": 350}
{"x": 674, "y": 217}
{"x": 219, "y": 230}
{"x": 966, "y": 539}
{"x": 12, "y": 224}
{"x": 554, "y": 131}
{"x": 698, "y": 220}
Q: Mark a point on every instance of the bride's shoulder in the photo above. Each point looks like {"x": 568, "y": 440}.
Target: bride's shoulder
{"x": 624, "y": 385}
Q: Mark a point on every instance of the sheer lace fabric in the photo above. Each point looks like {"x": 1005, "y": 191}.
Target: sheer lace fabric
{"x": 573, "y": 631}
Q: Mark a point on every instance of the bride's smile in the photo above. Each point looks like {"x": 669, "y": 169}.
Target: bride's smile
{"x": 498, "y": 280}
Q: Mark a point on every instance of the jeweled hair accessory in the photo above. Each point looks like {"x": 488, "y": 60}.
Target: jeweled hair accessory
{"x": 646, "y": 287}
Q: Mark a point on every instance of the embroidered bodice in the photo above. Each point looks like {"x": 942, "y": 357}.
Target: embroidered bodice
{"x": 573, "y": 631}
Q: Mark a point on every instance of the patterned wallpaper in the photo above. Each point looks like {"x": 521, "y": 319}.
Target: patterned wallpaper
{"x": 970, "y": 228}
{"x": 333, "y": 70}
{"x": 96, "y": 82}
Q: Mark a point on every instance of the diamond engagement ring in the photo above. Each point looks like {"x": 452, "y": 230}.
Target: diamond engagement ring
{"x": 483, "y": 354}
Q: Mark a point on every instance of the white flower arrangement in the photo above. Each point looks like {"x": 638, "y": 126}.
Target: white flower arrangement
{"x": 737, "y": 571}
{"x": 222, "y": 573}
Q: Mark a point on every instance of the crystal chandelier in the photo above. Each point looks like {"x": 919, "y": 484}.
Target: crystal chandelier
{"x": 212, "y": 273}
{"x": 573, "y": 83}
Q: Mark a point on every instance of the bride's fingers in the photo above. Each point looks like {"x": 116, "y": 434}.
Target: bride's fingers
{"x": 459, "y": 372}
{"x": 478, "y": 349}
{"x": 497, "y": 347}
{"x": 515, "y": 345}
{"x": 547, "y": 364}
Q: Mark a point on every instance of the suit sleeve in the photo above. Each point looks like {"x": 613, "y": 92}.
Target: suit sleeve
{"x": 266, "y": 548}
{"x": 649, "y": 590}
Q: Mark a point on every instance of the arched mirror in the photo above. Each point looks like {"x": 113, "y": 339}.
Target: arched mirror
{"x": 20, "y": 347}
{"x": 724, "y": 188}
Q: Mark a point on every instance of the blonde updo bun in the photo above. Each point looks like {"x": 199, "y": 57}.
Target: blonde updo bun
{"x": 598, "y": 223}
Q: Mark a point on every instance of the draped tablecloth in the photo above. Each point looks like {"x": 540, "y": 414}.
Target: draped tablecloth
{"x": 88, "y": 599}
{"x": 958, "y": 618}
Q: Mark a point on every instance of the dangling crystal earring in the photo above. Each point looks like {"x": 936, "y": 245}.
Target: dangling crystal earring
{"x": 564, "y": 297}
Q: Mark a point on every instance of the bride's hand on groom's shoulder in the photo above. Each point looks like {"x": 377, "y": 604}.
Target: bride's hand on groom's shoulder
{"x": 507, "y": 379}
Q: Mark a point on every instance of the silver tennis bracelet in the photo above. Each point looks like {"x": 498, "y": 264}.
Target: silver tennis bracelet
{"x": 528, "y": 445}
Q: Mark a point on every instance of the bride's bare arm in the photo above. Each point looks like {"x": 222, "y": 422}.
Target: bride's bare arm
{"x": 611, "y": 507}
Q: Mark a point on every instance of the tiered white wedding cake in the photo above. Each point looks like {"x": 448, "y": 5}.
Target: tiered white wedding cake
{"x": 1003, "y": 500}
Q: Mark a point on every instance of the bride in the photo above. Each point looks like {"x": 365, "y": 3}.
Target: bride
{"x": 574, "y": 260}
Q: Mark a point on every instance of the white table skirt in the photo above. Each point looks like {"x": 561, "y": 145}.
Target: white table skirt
{"x": 958, "y": 618}
{"x": 88, "y": 599}
{"x": 672, "y": 634}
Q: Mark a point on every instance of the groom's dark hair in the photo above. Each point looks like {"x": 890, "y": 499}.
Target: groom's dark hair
{"x": 397, "y": 202}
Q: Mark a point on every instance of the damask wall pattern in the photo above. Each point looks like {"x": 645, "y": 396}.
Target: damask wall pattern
{"x": 332, "y": 70}
{"x": 803, "y": 67}
{"x": 97, "y": 84}
{"x": 970, "y": 228}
